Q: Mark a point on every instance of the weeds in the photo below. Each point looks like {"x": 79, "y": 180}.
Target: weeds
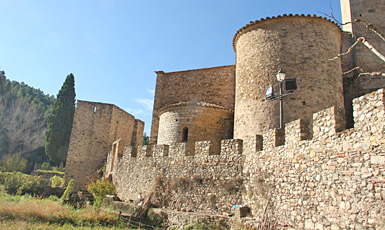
{"x": 67, "y": 192}
{"x": 19, "y": 183}
{"x": 45, "y": 166}
{"x": 154, "y": 219}
{"x": 57, "y": 181}
{"x": 12, "y": 163}
{"x": 99, "y": 189}
{"x": 27, "y": 212}
{"x": 50, "y": 171}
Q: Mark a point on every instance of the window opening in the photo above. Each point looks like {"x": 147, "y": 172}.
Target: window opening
{"x": 185, "y": 134}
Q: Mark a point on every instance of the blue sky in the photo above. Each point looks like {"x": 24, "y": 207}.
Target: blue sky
{"x": 113, "y": 47}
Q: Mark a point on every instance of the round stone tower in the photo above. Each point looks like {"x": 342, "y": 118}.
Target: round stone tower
{"x": 300, "y": 45}
{"x": 191, "y": 122}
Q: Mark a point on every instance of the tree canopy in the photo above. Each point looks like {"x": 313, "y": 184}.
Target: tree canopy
{"x": 59, "y": 122}
{"x": 146, "y": 139}
{"x": 23, "y": 112}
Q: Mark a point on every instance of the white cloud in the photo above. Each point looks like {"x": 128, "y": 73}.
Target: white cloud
{"x": 152, "y": 92}
{"x": 135, "y": 112}
{"x": 146, "y": 103}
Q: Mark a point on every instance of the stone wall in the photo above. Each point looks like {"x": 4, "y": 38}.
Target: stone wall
{"x": 301, "y": 46}
{"x": 199, "y": 182}
{"x": 335, "y": 180}
{"x": 211, "y": 85}
{"x": 332, "y": 180}
{"x": 96, "y": 126}
{"x": 370, "y": 12}
{"x": 194, "y": 122}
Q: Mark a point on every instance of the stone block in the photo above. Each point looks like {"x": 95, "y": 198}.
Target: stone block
{"x": 377, "y": 159}
{"x": 129, "y": 151}
{"x": 243, "y": 211}
{"x": 182, "y": 149}
{"x": 273, "y": 138}
{"x": 204, "y": 148}
{"x": 145, "y": 151}
{"x": 162, "y": 150}
{"x": 369, "y": 110}
{"x": 296, "y": 131}
{"x": 327, "y": 123}
{"x": 231, "y": 146}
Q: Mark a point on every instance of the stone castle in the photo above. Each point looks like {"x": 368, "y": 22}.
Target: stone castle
{"x": 216, "y": 141}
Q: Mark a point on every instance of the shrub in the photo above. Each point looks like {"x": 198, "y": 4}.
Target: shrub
{"x": 19, "y": 183}
{"x": 154, "y": 219}
{"x": 3, "y": 175}
{"x": 99, "y": 189}
{"x": 67, "y": 192}
{"x": 56, "y": 181}
{"x": 12, "y": 163}
{"x": 45, "y": 166}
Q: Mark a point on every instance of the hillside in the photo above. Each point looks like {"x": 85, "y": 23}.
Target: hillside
{"x": 23, "y": 111}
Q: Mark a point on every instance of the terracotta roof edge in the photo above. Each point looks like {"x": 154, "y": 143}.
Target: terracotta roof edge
{"x": 252, "y": 23}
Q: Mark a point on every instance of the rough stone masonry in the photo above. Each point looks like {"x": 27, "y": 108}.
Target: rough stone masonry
{"x": 324, "y": 170}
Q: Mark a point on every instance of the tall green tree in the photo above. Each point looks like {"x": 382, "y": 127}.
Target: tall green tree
{"x": 59, "y": 122}
{"x": 146, "y": 139}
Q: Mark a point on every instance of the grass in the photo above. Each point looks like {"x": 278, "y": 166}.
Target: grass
{"x": 26, "y": 212}
{"x": 50, "y": 171}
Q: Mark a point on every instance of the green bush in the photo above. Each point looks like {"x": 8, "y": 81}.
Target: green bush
{"x": 2, "y": 177}
{"x": 67, "y": 192}
{"x": 19, "y": 183}
{"x": 45, "y": 166}
{"x": 56, "y": 181}
{"x": 12, "y": 163}
{"x": 99, "y": 189}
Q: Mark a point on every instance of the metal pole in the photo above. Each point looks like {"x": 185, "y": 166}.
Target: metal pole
{"x": 280, "y": 106}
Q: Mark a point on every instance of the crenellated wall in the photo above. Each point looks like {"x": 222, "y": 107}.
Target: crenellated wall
{"x": 334, "y": 179}
{"x": 185, "y": 177}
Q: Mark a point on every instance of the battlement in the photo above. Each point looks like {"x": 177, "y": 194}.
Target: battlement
{"x": 291, "y": 165}
{"x": 199, "y": 148}
{"x": 327, "y": 126}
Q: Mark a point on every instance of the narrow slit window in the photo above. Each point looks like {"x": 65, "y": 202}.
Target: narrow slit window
{"x": 95, "y": 109}
{"x": 185, "y": 134}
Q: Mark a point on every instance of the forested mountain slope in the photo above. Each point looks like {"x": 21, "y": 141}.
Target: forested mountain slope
{"x": 23, "y": 111}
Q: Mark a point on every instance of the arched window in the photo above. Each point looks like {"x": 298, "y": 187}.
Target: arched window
{"x": 185, "y": 134}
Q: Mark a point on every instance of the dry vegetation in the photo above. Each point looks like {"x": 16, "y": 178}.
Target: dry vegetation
{"x": 26, "y": 212}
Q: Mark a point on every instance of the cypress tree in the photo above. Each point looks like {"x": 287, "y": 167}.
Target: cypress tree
{"x": 59, "y": 122}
